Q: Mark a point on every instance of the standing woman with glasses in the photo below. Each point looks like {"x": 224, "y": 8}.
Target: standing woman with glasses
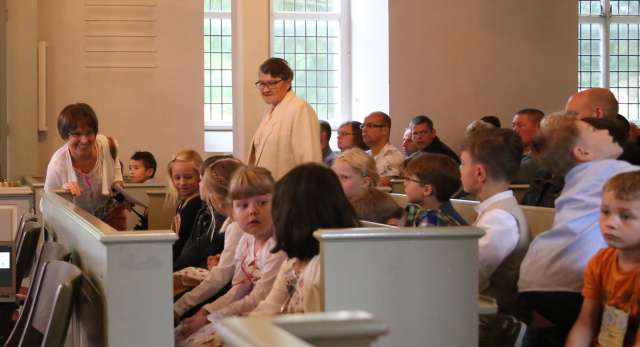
{"x": 87, "y": 165}
{"x": 289, "y": 133}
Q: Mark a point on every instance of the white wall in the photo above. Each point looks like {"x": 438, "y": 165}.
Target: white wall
{"x": 370, "y": 57}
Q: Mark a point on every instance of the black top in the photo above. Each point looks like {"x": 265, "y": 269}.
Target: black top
{"x": 437, "y": 146}
{"x": 188, "y": 212}
{"x": 543, "y": 190}
{"x": 529, "y": 167}
{"x": 205, "y": 240}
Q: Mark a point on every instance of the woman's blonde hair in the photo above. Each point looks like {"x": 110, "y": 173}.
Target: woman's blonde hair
{"x": 186, "y": 155}
{"x": 361, "y": 162}
{"x": 249, "y": 181}
{"x": 217, "y": 177}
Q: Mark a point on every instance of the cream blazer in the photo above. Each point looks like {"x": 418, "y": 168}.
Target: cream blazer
{"x": 291, "y": 137}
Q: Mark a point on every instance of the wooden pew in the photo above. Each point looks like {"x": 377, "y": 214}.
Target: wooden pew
{"x": 14, "y": 202}
{"x": 160, "y": 215}
{"x": 36, "y": 184}
{"x": 139, "y": 192}
{"x": 131, "y": 271}
{"x": 332, "y": 329}
{"x": 423, "y": 283}
{"x": 540, "y": 219}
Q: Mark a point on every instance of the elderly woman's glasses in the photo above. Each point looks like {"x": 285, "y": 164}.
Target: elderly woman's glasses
{"x": 268, "y": 84}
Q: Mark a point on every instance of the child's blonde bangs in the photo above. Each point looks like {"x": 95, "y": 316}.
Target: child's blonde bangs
{"x": 248, "y": 182}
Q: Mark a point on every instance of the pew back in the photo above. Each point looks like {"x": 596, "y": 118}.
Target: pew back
{"x": 539, "y": 219}
{"x": 423, "y": 283}
{"x": 131, "y": 270}
{"x": 160, "y": 215}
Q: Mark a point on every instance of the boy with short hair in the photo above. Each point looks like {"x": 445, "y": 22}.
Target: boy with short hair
{"x": 142, "y": 167}
{"x": 489, "y": 160}
{"x": 551, "y": 275}
{"x": 611, "y": 291}
{"x": 430, "y": 180}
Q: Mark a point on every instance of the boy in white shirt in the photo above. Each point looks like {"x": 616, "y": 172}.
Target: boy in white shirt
{"x": 490, "y": 159}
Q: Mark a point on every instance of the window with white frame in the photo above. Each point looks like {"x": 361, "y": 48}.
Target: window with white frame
{"x": 609, "y": 50}
{"x": 313, "y": 36}
{"x": 218, "y": 91}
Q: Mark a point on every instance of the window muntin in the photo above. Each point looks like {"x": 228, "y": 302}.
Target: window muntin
{"x": 609, "y": 50}
{"x": 218, "y": 87}
{"x": 312, "y": 36}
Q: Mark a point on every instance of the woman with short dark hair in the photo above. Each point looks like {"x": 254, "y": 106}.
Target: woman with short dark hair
{"x": 87, "y": 165}
{"x": 289, "y": 133}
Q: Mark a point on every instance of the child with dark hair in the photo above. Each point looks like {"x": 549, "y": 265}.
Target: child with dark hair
{"x": 142, "y": 167}
{"x": 430, "y": 180}
{"x": 306, "y": 199}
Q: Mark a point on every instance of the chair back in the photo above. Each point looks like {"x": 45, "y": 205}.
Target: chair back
{"x": 90, "y": 313}
{"x": 49, "y": 251}
{"x": 26, "y": 249}
{"x": 49, "y": 315}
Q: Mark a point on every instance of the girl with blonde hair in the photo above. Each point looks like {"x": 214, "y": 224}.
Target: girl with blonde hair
{"x": 182, "y": 192}
{"x": 356, "y": 171}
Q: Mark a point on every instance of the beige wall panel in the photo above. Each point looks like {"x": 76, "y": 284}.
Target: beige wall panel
{"x": 251, "y": 48}
{"x": 458, "y": 61}
{"x": 22, "y": 92}
{"x": 154, "y": 108}
{"x": 116, "y": 29}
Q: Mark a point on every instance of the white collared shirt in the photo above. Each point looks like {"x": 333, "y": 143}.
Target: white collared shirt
{"x": 500, "y": 238}
{"x": 388, "y": 161}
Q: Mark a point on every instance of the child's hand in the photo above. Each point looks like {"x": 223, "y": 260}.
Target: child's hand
{"x": 195, "y": 322}
{"x": 212, "y": 261}
{"x": 73, "y": 187}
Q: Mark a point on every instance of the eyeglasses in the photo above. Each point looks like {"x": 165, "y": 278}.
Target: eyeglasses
{"x": 341, "y": 133}
{"x": 268, "y": 84}
{"x": 413, "y": 180}
{"x": 372, "y": 125}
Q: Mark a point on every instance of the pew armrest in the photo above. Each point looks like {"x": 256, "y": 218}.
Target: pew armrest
{"x": 342, "y": 328}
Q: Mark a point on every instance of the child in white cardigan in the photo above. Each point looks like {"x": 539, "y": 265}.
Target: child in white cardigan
{"x": 256, "y": 265}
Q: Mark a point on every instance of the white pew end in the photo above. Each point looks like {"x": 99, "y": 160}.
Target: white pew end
{"x": 423, "y": 283}
{"x": 331, "y": 329}
{"x": 131, "y": 271}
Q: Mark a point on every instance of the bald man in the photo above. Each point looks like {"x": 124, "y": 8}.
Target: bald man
{"x": 593, "y": 102}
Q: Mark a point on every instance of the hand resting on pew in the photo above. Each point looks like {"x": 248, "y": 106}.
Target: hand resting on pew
{"x": 73, "y": 187}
